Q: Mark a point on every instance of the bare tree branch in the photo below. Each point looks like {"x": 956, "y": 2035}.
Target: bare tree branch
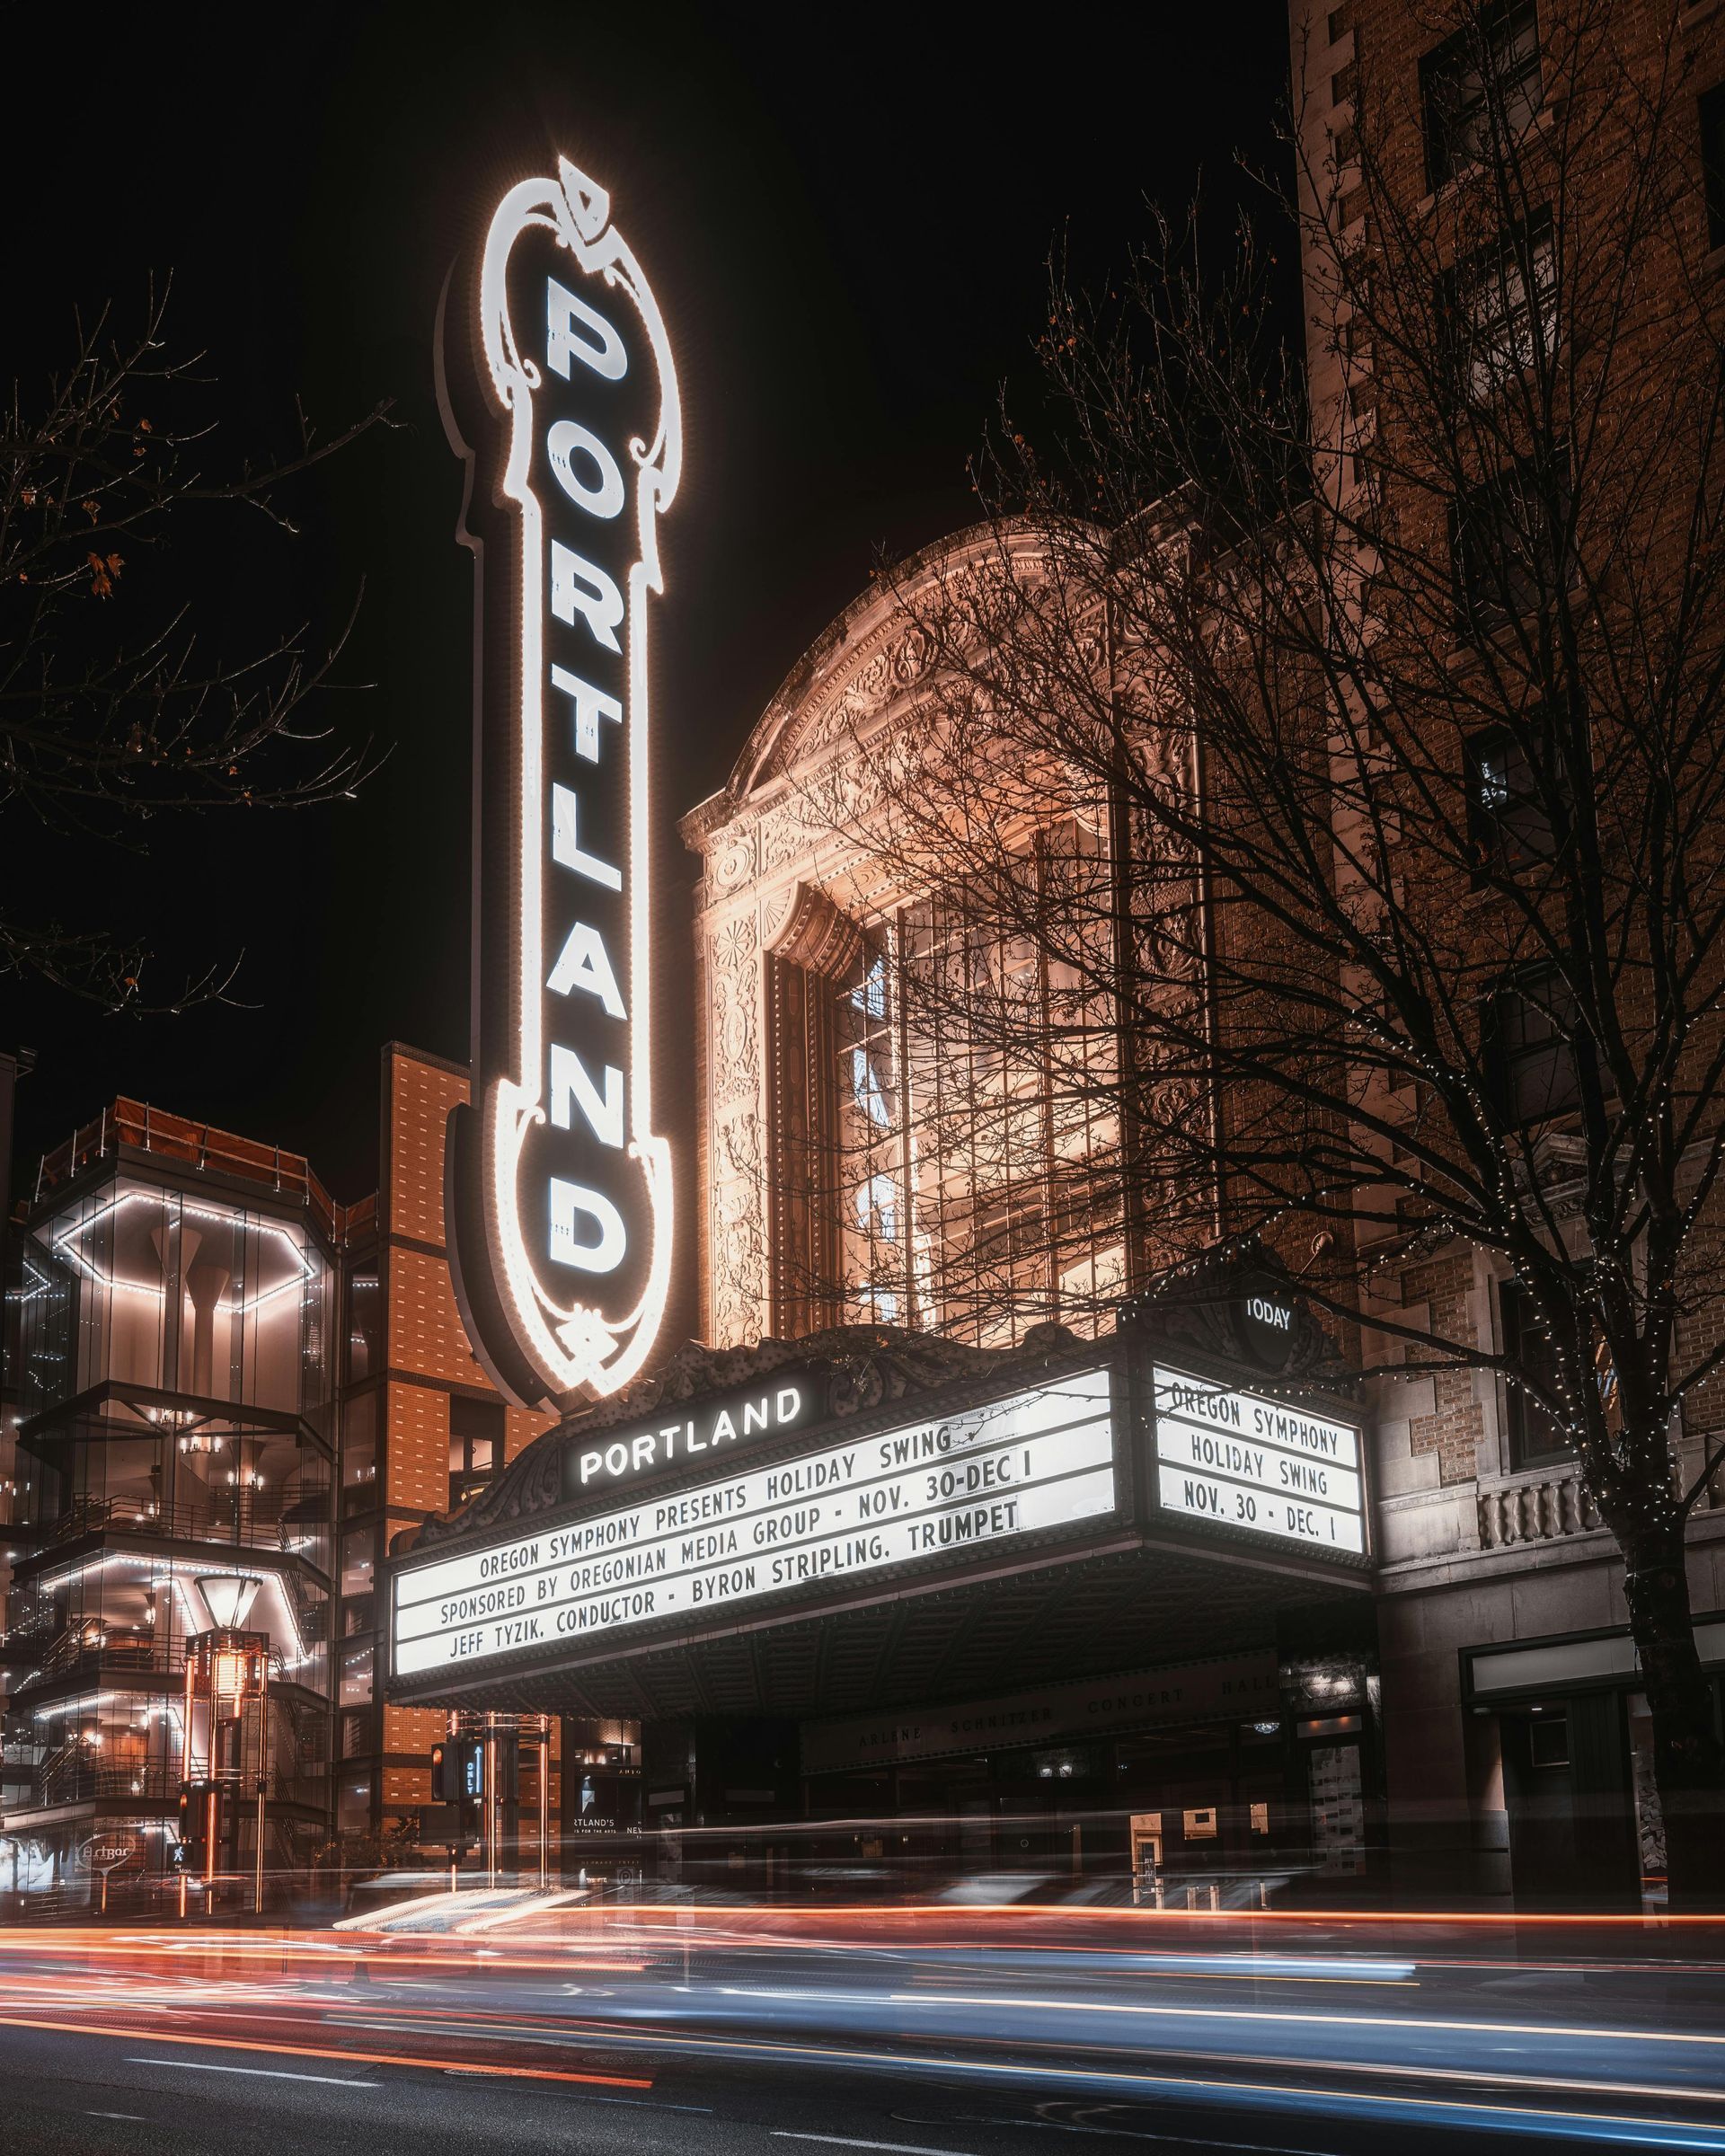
{"x": 111, "y": 715}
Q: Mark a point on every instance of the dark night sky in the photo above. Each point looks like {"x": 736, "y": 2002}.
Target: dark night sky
{"x": 845, "y": 215}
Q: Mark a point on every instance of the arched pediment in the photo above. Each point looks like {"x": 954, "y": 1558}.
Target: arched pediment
{"x": 874, "y": 652}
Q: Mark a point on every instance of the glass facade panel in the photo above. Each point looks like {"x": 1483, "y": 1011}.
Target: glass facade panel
{"x": 976, "y": 1124}
{"x": 175, "y": 1475}
{"x": 179, "y": 1294}
{"x": 365, "y": 1340}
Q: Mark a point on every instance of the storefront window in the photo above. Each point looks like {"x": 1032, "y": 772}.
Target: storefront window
{"x": 1337, "y": 1810}
{"x": 1650, "y": 1815}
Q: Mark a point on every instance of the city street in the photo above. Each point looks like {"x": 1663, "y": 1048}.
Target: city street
{"x": 862, "y": 1082}
{"x": 733, "y": 2031}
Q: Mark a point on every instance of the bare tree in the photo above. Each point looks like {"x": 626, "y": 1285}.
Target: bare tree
{"x": 112, "y": 712}
{"x": 1335, "y": 755}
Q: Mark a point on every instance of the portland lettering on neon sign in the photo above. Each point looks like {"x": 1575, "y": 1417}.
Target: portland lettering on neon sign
{"x": 559, "y": 391}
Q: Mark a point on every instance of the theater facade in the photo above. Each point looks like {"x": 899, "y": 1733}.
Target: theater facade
{"x": 1105, "y": 1602}
{"x": 988, "y": 1529}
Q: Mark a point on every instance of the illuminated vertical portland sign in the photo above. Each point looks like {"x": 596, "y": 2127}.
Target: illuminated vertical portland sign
{"x": 559, "y": 393}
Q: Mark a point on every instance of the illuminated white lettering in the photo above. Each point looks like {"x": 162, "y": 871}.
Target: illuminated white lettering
{"x": 579, "y": 585}
{"x": 570, "y": 1084}
{"x": 563, "y": 341}
{"x": 565, "y": 848}
{"x": 567, "y": 1202}
{"x": 584, "y": 963}
{"x": 591, "y": 705}
{"x": 564, "y": 443}
{"x": 1039, "y": 1459}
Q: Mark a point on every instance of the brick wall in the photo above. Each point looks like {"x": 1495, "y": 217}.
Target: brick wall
{"x": 1455, "y": 1426}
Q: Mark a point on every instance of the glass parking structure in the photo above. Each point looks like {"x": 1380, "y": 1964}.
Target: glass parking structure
{"x": 175, "y": 1446}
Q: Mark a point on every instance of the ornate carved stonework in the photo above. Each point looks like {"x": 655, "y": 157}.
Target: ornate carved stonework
{"x": 805, "y": 928}
{"x": 790, "y": 870}
{"x": 737, "y": 1298}
{"x": 733, "y": 1052}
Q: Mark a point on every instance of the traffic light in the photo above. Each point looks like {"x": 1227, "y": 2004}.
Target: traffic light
{"x": 191, "y": 1853}
{"x": 458, "y": 1771}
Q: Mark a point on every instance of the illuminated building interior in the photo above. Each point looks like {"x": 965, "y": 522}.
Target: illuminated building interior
{"x": 175, "y": 1460}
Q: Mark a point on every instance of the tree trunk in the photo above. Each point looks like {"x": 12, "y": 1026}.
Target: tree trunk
{"x": 1688, "y": 1761}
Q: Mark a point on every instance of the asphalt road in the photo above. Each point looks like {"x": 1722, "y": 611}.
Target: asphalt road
{"x": 759, "y": 2048}
{"x": 87, "y": 2096}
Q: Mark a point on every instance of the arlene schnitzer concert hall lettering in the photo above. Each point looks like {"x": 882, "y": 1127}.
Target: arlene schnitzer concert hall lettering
{"x": 559, "y": 391}
{"x": 924, "y": 1491}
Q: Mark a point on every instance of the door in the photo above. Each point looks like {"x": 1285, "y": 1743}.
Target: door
{"x": 1566, "y": 1786}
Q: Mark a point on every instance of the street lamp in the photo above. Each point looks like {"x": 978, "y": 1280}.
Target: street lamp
{"x": 226, "y": 1720}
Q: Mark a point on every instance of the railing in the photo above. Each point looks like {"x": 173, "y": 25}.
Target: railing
{"x": 148, "y": 1129}
{"x": 78, "y": 1650}
{"x": 1545, "y": 1510}
{"x": 91, "y": 1660}
{"x": 259, "y": 1518}
{"x": 78, "y": 1780}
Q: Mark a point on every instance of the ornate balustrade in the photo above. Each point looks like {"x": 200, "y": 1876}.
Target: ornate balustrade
{"x": 1541, "y": 1510}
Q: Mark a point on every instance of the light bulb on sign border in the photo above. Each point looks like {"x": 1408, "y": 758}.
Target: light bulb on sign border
{"x": 568, "y": 1344}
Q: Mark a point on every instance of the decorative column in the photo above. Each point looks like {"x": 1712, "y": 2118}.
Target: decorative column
{"x": 810, "y": 950}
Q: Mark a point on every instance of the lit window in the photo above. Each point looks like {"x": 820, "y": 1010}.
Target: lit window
{"x": 1500, "y": 305}
{"x": 867, "y": 1091}
{"x": 1506, "y": 820}
{"x": 870, "y": 997}
{"x": 877, "y": 1208}
{"x": 1480, "y": 88}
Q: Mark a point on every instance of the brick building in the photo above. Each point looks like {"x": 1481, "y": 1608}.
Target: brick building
{"x": 1488, "y": 164}
{"x": 422, "y": 1429}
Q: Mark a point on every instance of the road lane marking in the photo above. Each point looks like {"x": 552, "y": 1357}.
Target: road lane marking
{"x": 1248, "y": 2013}
{"x": 1682, "y": 2133}
{"x": 843, "y": 2141}
{"x": 140, "y": 2116}
{"x": 645, "y": 2103}
{"x": 313, "y": 2051}
{"x": 1061, "y": 2126}
{"x": 263, "y": 2073}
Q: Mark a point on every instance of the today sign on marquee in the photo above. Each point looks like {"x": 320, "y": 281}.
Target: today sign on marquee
{"x": 559, "y": 391}
{"x": 920, "y": 1492}
{"x": 1259, "y": 1465}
